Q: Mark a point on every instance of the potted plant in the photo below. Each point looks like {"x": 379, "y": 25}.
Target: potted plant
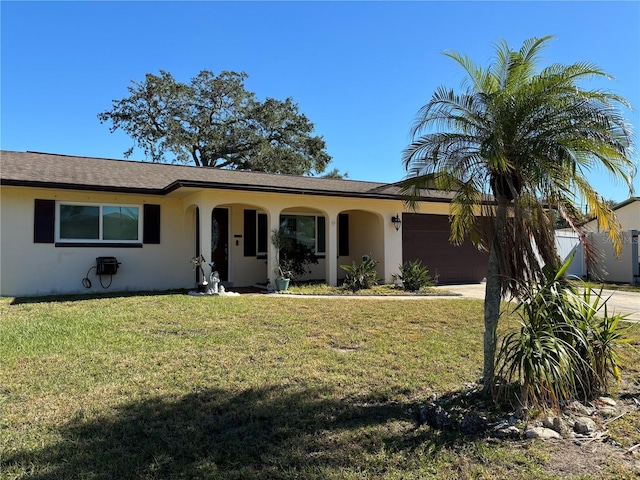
{"x": 282, "y": 273}
{"x": 283, "y": 278}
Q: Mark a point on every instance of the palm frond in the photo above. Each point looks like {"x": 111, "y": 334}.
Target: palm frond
{"x": 531, "y": 134}
{"x": 477, "y": 78}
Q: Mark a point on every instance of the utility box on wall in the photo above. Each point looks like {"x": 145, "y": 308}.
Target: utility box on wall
{"x": 106, "y": 266}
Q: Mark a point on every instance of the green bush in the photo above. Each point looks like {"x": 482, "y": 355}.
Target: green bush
{"x": 567, "y": 346}
{"x": 362, "y": 276}
{"x": 414, "y": 276}
{"x": 293, "y": 257}
{"x": 603, "y": 336}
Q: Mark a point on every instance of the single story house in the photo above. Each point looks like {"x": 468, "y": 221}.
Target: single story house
{"x": 627, "y": 212}
{"x": 60, "y": 213}
{"x": 622, "y": 269}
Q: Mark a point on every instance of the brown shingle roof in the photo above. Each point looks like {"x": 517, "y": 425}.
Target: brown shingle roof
{"x": 85, "y": 173}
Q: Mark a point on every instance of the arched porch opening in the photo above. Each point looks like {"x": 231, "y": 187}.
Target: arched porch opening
{"x": 248, "y": 245}
{"x": 308, "y": 227}
{"x": 360, "y": 232}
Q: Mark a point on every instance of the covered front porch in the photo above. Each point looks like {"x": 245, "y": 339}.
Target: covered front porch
{"x": 234, "y": 230}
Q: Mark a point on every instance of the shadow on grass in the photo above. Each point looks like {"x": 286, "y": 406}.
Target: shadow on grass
{"x": 91, "y": 296}
{"x": 267, "y": 433}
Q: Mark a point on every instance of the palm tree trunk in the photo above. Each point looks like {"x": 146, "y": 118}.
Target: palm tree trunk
{"x": 492, "y": 299}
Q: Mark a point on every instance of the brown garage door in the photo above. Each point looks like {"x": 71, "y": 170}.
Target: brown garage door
{"x": 426, "y": 237}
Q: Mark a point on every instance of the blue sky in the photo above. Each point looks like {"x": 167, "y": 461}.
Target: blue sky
{"x": 359, "y": 70}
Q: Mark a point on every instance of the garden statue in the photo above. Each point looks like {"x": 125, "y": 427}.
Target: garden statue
{"x": 214, "y": 281}
{"x": 214, "y": 285}
{"x": 197, "y": 265}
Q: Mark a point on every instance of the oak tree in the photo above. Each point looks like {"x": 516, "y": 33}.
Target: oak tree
{"x": 215, "y": 122}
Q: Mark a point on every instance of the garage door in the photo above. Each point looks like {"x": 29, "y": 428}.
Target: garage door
{"x": 426, "y": 237}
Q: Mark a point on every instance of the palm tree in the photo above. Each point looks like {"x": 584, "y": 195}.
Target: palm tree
{"x": 513, "y": 146}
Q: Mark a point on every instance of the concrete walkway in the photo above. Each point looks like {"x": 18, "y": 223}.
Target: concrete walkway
{"x": 619, "y": 301}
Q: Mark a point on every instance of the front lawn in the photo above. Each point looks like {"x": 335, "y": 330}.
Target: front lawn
{"x": 249, "y": 387}
{"x": 376, "y": 290}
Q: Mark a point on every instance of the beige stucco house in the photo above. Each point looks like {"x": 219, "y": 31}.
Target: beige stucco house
{"x": 627, "y": 212}
{"x": 59, "y": 213}
{"x": 626, "y": 267}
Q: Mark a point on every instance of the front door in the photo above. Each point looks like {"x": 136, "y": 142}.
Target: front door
{"x": 220, "y": 242}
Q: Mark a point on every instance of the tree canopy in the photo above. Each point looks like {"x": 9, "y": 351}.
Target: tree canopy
{"x": 516, "y": 144}
{"x": 215, "y": 122}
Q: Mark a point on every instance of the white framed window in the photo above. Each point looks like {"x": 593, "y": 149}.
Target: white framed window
{"x": 95, "y": 223}
{"x": 306, "y": 229}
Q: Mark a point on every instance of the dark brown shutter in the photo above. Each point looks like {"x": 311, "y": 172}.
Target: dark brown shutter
{"x": 263, "y": 233}
{"x": 249, "y": 233}
{"x": 343, "y": 234}
{"x": 44, "y": 221}
{"x": 151, "y": 225}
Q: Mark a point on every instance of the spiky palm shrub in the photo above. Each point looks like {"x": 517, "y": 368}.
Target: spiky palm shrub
{"x": 542, "y": 355}
{"x": 414, "y": 276}
{"x": 361, "y": 276}
{"x": 603, "y": 336}
{"x": 567, "y": 346}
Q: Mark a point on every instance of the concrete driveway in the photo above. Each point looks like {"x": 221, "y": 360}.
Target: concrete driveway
{"x": 619, "y": 301}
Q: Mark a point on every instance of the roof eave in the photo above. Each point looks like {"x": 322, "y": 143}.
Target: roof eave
{"x": 273, "y": 189}
{"x": 176, "y": 185}
{"x": 626, "y": 202}
{"x": 77, "y": 186}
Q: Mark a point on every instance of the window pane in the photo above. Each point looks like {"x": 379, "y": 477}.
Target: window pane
{"x": 120, "y": 223}
{"x": 288, "y": 224}
{"x": 79, "y": 222}
{"x": 321, "y": 235}
{"x": 301, "y": 228}
{"x": 306, "y": 231}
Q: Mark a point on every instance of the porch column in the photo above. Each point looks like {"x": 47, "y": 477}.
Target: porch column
{"x": 331, "y": 254}
{"x": 206, "y": 210}
{"x": 274, "y": 224}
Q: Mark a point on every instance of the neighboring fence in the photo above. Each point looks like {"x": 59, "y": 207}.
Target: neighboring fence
{"x": 625, "y": 269}
{"x": 566, "y": 244}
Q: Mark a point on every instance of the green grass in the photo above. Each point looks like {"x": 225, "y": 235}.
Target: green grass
{"x": 377, "y": 290}
{"x": 623, "y": 287}
{"x": 249, "y": 387}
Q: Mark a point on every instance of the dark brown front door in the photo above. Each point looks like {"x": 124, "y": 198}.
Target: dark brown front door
{"x": 220, "y": 241}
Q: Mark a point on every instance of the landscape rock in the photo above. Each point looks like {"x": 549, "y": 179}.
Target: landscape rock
{"x": 580, "y": 408}
{"x": 555, "y": 423}
{"x": 504, "y": 430}
{"x": 559, "y": 426}
{"x": 584, "y": 426}
{"x": 607, "y": 401}
{"x": 436, "y": 416}
{"x": 542, "y": 433}
{"x": 547, "y": 422}
{"x": 473, "y": 423}
{"x": 607, "y": 411}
